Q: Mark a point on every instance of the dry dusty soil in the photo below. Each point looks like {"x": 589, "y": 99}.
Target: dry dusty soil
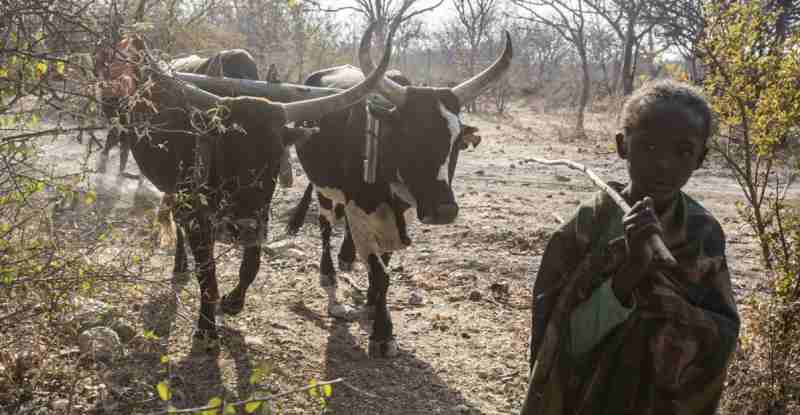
{"x": 463, "y": 350}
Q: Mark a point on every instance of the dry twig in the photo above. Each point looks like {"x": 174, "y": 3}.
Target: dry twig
{"x": 655, "y": 241}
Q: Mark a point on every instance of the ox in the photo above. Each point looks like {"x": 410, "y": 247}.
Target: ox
{"x": 214, "y": 167}
{"x": 234, "y": 63}
{"x": 410, "y": 161}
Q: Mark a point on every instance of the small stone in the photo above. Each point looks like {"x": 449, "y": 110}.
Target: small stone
{"x": 561, "y": 178}
{"x": 500, "y": 288}
{"x": 253, "y": 341}
{"x": 512, "y": 166}
{"x": 296, "y": 253}
{"x": 480, "y": 173}
{"x": 416, "y": 298}
{"x": 475, "y": 295}
{"x": 100, "y": 343}
{"x": 60, "y": 404}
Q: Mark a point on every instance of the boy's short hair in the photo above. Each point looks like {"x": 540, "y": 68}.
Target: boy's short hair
{"x": 666, "y": 91}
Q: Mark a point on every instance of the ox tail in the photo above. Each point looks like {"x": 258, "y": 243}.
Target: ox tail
{"x": 299, "y": 212}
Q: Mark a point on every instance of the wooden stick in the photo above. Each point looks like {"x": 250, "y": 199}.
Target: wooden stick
{"x": 655, "y": 241}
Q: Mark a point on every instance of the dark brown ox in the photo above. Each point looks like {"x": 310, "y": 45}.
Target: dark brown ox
{"x": 411, "y": 153}
{"x": 196, "y": 145}
{"x": 233, "y": 63}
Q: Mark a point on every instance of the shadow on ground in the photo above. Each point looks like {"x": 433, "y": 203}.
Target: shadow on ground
{"x": 403, "y": 385}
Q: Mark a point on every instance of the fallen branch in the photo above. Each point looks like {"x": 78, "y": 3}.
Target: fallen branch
{"x": 655, "y": 241}
{"x": 257, "y": 399}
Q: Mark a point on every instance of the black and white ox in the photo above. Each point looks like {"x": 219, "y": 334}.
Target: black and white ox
{"x": 198, "y": 148}
{"x": 370, "y": 165}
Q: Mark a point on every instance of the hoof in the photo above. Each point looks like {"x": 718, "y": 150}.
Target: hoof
{"x": 379, "y": 349}
{"x": 206, "y": 340}
{"x": 232, "y": 305}
{"x": 326, "y": 281}
{"x": 342, "y": 311}
{"x": 345, "y": 266}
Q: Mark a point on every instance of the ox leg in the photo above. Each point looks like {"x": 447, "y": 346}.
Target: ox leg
{"x": 233, "y": 302}
{"x": 111, "y": 140}
{"x": 124, "y": 149}
{"x": 347, "y": 252}
{"x": 181, "y": 261}
{"x": 327, "y": 274}
{"x": 202, "y": 243}
{"x": 381, "y": 341}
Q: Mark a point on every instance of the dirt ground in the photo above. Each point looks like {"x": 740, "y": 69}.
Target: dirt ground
{"x": 464, "y": 350}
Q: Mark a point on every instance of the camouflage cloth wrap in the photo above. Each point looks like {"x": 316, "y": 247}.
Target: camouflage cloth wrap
{"x": 670, "y": 355}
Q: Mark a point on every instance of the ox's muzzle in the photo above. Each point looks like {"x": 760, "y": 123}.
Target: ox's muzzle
{"x": 441, "y": 215}
{"x": 441, "y": 209}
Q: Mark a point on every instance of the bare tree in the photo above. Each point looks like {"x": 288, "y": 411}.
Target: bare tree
{"x": 476, "y": 18}
{"x": 569, "y": 20}
{"x": 381, "y": 12}
{"x": 406, "y": 36}
{"x": 681, "y": 24}
{"x": 627, "y": 18}
{"x": 604, "y": 52}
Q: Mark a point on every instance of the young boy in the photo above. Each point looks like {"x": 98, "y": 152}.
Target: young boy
{"x": 615, "y": 330}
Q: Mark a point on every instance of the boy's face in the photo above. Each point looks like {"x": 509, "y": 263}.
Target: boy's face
{"x": 662, "y": 152}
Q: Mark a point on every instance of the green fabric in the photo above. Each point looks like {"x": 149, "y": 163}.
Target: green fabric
{"x": 669, "y": 356}
{"x": 593, "y": 319}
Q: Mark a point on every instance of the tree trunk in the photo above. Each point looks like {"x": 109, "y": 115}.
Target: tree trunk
{"x": 627, "y": 58}
{"x": 585, "y": 90}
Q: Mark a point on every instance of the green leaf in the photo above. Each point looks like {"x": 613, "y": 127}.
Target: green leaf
{"x": 34, "y": 121}
{"x": 3, "y": 73}
{"x": 150, "y": 335}
{"x": 327, "y": 390}
{"x": 90, "y": 198}
{"x": 214, "y": 402}
{"x": 60, "y": 68}
{"x": 229, "y": 410}
{"x": 41, "y": 68}
{"x": 165, "y": 359}
{"x": 261, "y": 371}
{"x": 251, "y": 407}
{"x": 313, "y": 391}
{"x": 163, "y": 390}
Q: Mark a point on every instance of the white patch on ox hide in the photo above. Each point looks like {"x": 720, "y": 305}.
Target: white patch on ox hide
{"x": 373, "y": 233}
{"x": 336, "y": 196}
{"x": 454, "y": 125}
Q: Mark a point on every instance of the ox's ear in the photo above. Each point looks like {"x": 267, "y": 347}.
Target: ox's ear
{"x": 297, "y": 136}
{"x": 468, "y": 137}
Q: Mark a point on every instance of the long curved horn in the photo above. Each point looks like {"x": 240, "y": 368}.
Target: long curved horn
{"x": 235, "y": 87}
{"x": 395, "y": 93}
{"x": 316, "y": 108}
{"x": 195, "y": 96}
{"x": 471, "y": 88}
